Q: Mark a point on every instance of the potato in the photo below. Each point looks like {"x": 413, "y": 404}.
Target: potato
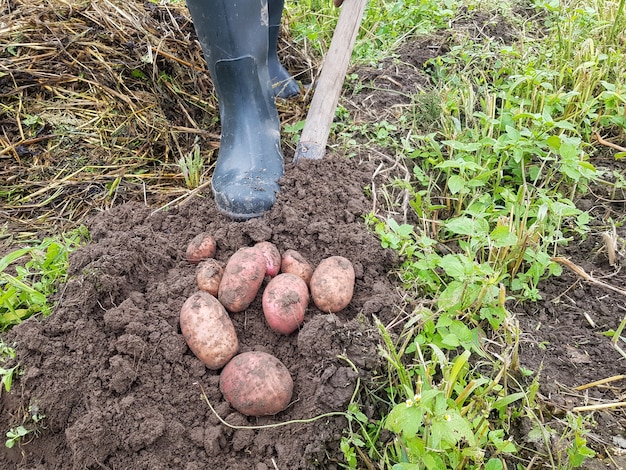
{"x": 294, "y": 263}
{"x": 285, "y": 300}
{"x": 242, "y": 279}
{"x": 201, "y": 247}
{"x": 208, "y": 330}
{"x": 272, "y": 257}
{"x": 332, "y": 284}
{"x": 209, "y": 275}
{"x": 256, "y": 384}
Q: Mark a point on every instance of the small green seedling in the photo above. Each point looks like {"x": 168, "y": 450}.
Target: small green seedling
{"x": 7, "y": 375}
{"x": 14, "y": 435}
{"x": 32, "y": 425}
{"x": 191, "y": 167}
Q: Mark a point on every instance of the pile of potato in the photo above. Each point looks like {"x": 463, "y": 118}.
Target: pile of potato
{"x": 256, "y": 383}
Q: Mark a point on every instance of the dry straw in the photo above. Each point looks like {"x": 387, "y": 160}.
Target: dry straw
{"x": 98, "y": 102}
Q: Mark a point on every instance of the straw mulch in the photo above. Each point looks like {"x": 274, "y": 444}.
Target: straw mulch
{"x": 98, "y": 102}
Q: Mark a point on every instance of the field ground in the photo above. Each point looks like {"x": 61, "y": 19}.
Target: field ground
{"x": 102, "y": 122}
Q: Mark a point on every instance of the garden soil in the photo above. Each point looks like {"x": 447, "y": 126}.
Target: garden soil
{"x": 115, "y": 379}
{"x": 121, "y": 390}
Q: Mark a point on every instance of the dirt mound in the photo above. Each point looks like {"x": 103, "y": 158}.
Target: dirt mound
{"x": 115, "y": 379}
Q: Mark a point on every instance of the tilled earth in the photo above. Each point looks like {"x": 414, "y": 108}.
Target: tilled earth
{"x": 120, "y": 389}
{"x": 115, "y": 379}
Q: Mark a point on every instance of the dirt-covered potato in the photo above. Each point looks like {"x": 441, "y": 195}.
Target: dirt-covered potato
{"x": 272, "y": 257}
{"x": 256, "y": 383}
{"x": 201, "y": 247}
{"x": 294, "y": 263}
{"x": 209, "y": 275}
{"x": 242, "y": 279}
{"x": 208, "y": 330}
{"x": 285, "y": 300}
{"x": 332, "y": 284}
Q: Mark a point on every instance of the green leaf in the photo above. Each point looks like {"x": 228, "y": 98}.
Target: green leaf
{"x": 7, "y": 377}
{"x": 434, "y": 462}
{"x": 466, "y": 226}
{"x": 453, "y": 266}
{"x": 569, "y": 150}
{"x": 452, "y": 296}
{"x": 457, "y": 365}
{"x": 451, "y": 341}
{"x": 406, "y": 466}
{"x": 501, "y": 236}
{"x": 505, "y": 401}
{"x": 494, "y": 464}
{"x": 14, "y": 255}
{"x": 450, "y": 428}
{"x": 34, "y": 296}
{"x": 455, "y": 184}
{"x": 464, "y": 146}
{"x": 405, "y": 420}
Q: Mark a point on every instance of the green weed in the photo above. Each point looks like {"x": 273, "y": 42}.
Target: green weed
{"x": 191, "y": 166}
{"x": 439, "y": 404}
{"x": 385, "y": 26}
{"x": 28, "y": 276}
{"x": 7, "y": 375}
{"x": 32, "y": 425}
{"x": 493, "y": 158}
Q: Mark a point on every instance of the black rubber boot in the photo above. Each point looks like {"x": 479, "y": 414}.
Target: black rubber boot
{"x": 284, "y": 84}
{"x": 235, "y": 42}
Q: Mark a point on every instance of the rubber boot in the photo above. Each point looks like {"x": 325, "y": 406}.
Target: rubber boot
{"x": 235, "y": 42}
{"x": 284, "y": 84}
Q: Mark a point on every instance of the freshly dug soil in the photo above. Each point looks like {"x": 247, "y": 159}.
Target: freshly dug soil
{"x": 120, "y": 389}
{"x": 115, "y": 379}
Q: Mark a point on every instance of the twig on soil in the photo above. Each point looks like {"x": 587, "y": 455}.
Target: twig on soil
{"x": 395, "y": 163}
{"x": 592, "y": 323}
{"x": 616, "y": 337}
{"x": 602, "y": 406}
{"x": 583, "y": 274}
{"x": 182, "y": 198}
{"x": 25, "y": 143}
{"x": 600, "y": 382}
{"x": 606, "y": 143}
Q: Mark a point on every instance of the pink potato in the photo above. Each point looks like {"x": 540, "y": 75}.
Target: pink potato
{"x": 208, "y": 330}
{"x": 256, "y": 384}
{"x": 332, "y": 284}
{"x": 242, "y": 279}
{"x": 209, "y": 276}
{"x": 201, "y": 247}
{"x": 272, "y": 257}
{"x": 285, "y": 300}
{"x": 294, "y": 263}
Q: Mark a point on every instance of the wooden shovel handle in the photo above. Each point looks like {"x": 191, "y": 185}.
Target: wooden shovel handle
{"x": 328, "y": 88}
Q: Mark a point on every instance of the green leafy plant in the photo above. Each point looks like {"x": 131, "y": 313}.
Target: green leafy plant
{"x": 386, "y": 24}
{"x": 439, "y": 405}
{"x": 191, "y": 167}
{"x": 28, "y": 276}
{"x": 490, "y": 192}
{"x": 32, "y": 425}
{"x": 15, "y": 435}
{"x": 7, "y": 375}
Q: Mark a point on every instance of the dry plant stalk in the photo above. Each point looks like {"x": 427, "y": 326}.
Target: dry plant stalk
{"x": 601, "y": 406}
{"x": 606, "y": 143}
{"x": 600, "y": 382}
{"x": 99, "y": 101}
{"x": 583, "y": 275}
